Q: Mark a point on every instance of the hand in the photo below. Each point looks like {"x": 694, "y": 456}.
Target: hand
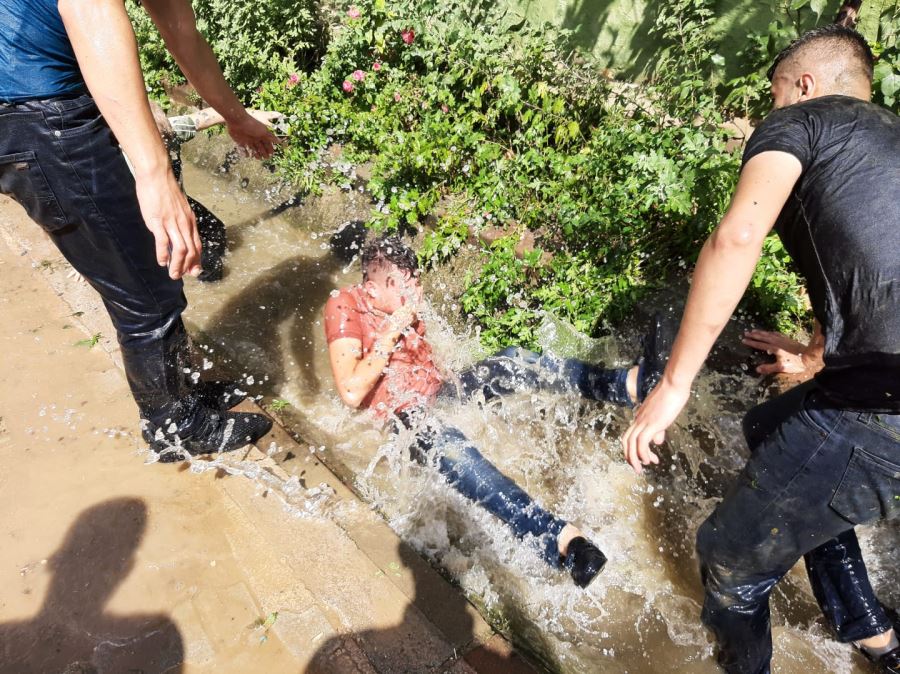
{"x": 789, "y": 353}
{"x": 401, "y": 319}
{"x": 267, "y": 117}
{"x": 253, "y": 135}
{"x": 653, "y": 417}
{"x": 169, "y": 218}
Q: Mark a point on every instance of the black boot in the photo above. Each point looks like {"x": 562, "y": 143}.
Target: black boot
{"x": 657, "y": 345}
{"x": 206, "y": 432}
{"x": 584, "y": 560}
{"x": 212, "y": 235}
{"x": 219, "y": 395}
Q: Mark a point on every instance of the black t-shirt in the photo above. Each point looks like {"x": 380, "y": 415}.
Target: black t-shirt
{"x": 841, "y": 225}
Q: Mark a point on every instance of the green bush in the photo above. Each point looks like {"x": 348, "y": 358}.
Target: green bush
{"x": 255, "y": 42}
{"x": 473, "y": 121}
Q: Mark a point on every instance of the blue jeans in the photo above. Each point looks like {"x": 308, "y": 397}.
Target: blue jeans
{"x": 815, "y": 472}
{"x": 61, "y": 162}
{"x": 466, "y": 470}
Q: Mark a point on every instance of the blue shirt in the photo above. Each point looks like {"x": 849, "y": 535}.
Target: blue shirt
{"x": 36, "y": 57}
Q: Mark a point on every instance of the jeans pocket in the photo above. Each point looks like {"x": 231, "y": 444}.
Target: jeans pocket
{"x": 869, "y": 489}
{"x": 22, "y": 178}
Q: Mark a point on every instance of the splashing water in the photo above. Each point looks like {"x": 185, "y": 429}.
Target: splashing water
{"x": 642, "y": 613}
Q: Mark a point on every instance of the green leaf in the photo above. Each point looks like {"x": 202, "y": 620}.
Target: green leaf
{"x": 798, "y": 4}
{"x": 818, "y": 6}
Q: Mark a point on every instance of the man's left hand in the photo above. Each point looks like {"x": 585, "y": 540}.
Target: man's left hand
{"x": 254, "y": 136}
{"x": 653, "y": 417}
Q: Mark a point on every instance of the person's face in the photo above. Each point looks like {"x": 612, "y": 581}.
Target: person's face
{"x": 394, "y": 288}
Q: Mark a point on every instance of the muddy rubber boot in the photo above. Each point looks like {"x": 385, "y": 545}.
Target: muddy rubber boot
{"x": 584, "y": 561}
{"x": 207, "y": 432}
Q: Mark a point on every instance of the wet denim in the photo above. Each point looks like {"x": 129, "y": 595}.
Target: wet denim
{"x": 60, "y": 161}
{"x": 815, "y": 472}
{"x": 465, "y": 468}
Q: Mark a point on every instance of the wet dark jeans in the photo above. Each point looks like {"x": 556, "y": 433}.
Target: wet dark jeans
{"x": 815, "y": 472}
{"x": 466, "y": 470}
{"x": 60, "y": 161}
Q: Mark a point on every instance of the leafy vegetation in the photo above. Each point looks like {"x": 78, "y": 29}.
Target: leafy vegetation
{"x": 254, "y": 41}
{"x": 483, "y": 132}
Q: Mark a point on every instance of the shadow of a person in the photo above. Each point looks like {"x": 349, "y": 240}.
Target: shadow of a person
{"x": 436, "y": 634}
{"x": 292, "y": 292}
{"x": 72, "y": 633}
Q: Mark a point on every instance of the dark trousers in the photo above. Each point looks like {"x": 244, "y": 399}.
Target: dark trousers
{"x": 465, "y": 468}
{"x": 815, "y": 472}
{"x": 60, "y": 161}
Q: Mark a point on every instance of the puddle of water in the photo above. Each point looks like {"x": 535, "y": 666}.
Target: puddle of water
{"x": 641, "y": 615}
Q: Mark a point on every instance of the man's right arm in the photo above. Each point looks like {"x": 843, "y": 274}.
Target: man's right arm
{"x": 109, "y": 63}
{"x": 356, "y": 375}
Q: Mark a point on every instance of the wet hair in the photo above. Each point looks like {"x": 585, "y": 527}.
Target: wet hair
{"x": 386, "y": 250}
{"x": 833, "y": 43}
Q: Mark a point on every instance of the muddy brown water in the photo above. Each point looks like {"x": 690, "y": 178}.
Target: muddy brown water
{"x": 264, "y": 322}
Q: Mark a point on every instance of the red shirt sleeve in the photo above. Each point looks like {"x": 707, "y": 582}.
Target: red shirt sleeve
{"x": 342, "y": 318}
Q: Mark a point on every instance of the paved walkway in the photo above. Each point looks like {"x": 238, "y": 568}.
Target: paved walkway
{"x": 111, "y": 565}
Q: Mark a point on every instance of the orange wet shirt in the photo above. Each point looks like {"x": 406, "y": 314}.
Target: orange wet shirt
{"x": 410, "y": 379}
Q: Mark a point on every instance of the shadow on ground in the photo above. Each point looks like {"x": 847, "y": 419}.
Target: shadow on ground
{"x": 404, "y": 648}
{"x": 73, "y": 633}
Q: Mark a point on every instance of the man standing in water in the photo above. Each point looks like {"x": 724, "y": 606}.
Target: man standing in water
{"x": 382, "y": 361}
{"x": 824, "y": 170}
{"x": 72, "y": 99}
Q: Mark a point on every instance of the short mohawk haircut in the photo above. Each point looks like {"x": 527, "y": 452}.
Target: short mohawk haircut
{"x": 834, "y": 37}
{"x": 388, "y": 249}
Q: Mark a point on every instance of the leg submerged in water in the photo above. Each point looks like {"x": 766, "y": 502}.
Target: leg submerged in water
{"x": 476, "y": 478}
{"x": 515, "y": 369}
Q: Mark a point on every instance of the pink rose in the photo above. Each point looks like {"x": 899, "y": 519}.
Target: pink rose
{"x": 408, "y": 35}
{"x": 293, "y": 79}
{"x": 358, "y": 75}
{"x": 397, "y": 96}
{"x": 444, "y": 108}
{"x": 347, "y": 86}
{"x": 376, "y": 66}
{"x": 353, "y": 12}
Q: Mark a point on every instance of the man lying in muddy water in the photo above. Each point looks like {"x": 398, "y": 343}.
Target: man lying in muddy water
{"x": 382, "y": 361}
{"x": 824, "y": 170}
{"x": 72, "y": 100}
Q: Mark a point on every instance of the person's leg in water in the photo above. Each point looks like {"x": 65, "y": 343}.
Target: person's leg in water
{"x": 212, "y": 236}
{"x": 83, "y": 195}
{"x": 836, "y": 570}
{"x": 476, "y": 478}
{"x": 806, "y": 485}
{"x": 515, "y": 369}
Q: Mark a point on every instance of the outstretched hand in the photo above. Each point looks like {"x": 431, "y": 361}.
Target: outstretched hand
{"x": 789, "y": 353}
{"x": 254, "y": 136}
{"x": 651, "y": 420}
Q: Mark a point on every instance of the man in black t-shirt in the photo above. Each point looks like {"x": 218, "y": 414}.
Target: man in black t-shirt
{"x": 824, "y": 170}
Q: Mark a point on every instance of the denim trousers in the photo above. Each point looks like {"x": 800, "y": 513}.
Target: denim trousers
{"x": 814, "y": 473}
{"x": 61, "y": 162}
{"x": 465, "y": 468}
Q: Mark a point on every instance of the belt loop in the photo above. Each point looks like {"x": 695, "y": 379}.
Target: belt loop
{"x": 864, "y": 417}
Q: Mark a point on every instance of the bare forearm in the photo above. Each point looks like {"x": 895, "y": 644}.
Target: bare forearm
{"x": 357, "y": 374}
{"x": 177, "y": 25}
{"x": 722, "y": 274}
{"x": 206, "y": 118}
{"x": 109, "y": 63}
